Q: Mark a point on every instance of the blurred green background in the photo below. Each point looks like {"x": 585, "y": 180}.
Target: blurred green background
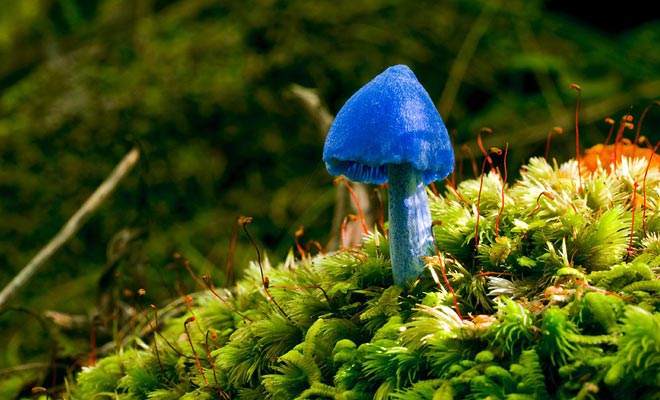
{"x": 204, "y": 89}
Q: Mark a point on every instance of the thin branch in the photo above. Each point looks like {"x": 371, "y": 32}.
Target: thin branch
{"x": 314, "y": 106}
{"x": 72, "y": 226}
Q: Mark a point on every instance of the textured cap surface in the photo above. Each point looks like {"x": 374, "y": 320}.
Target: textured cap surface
{"x": 390, "y": 120}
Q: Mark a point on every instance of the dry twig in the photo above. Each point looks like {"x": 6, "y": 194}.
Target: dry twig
{"x": 72, "y": 225}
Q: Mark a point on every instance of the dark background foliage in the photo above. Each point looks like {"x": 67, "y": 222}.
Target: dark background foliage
{"x": 203, "y": 88}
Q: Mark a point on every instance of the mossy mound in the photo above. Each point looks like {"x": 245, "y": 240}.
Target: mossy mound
{"x": 558, "y": 299}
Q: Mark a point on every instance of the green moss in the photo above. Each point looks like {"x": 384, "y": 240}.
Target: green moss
{"x": 561, "y": 301}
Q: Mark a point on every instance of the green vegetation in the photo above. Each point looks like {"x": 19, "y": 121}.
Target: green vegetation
{"x": 557, "y": 298}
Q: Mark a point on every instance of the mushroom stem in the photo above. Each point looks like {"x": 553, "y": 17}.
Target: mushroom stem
{"x": 409, "y": 222}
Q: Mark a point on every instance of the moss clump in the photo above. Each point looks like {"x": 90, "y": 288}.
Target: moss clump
{"x": 555, "y": 296}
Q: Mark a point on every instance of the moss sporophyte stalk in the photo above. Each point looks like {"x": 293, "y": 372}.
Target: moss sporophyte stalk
{"x": 559, "y": 300}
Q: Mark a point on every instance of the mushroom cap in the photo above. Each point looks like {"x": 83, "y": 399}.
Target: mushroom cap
{"x": 390, "y": 120}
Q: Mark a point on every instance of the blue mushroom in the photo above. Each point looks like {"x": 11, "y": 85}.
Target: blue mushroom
{"x": 390, "y": 131}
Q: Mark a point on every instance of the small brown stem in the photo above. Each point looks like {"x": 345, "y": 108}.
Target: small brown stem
{"x": 577, "y": 132}
{"x": 264, "y": 279}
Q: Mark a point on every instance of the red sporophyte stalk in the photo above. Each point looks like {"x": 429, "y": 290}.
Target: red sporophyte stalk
{"x": 577, "y": 132}
{"x": 456, "y": 192}
{"x": 489, "y": 160}
{"x": 156, "y": 350}
{"x": 344, "y": 226}
{"x": 156, "y": 331}
{"x": 442, "y": 270}
{"x": 599, "y": 290}
{"x": 206, "y": 283}
{"x": 633, "y": 207}
{"x": 574, "y": 253}
{"x": 192, "y": 347}
{"x": 356, "y": 201}
{"x": 538, "y": 201}
{"x": 299, "y": 233}
{"x": 192, "y": 274}
{"x": 212, "y": 362}
{"x": 264, "y": 279}
{"x": 473, "y": 161}
{"x": 626, "y": 122}
{"x": 316, "y": 244}
{"x": 188, "y": 301}
{"x": 642, "y": 117}
{"x": 504, "y": 179}
{"x": 481, "y": 185}
{"x": 555, "y": 130}
{"x": 610, "y": 155}
{"x": 611, "y": 122}
{"x": 304, "y": 251}
{"x": 211, "y": 287}
{"x": 434, "y": 189}
{"x": 480, "y": 143}
{"x": 198, "y": 361}
{"x": 92, "y": 343}
{"x": 643, "y": 140}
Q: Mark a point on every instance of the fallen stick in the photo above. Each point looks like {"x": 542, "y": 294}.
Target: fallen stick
{"x": 72, "y": 225}
{"x": 312, "y": 103}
